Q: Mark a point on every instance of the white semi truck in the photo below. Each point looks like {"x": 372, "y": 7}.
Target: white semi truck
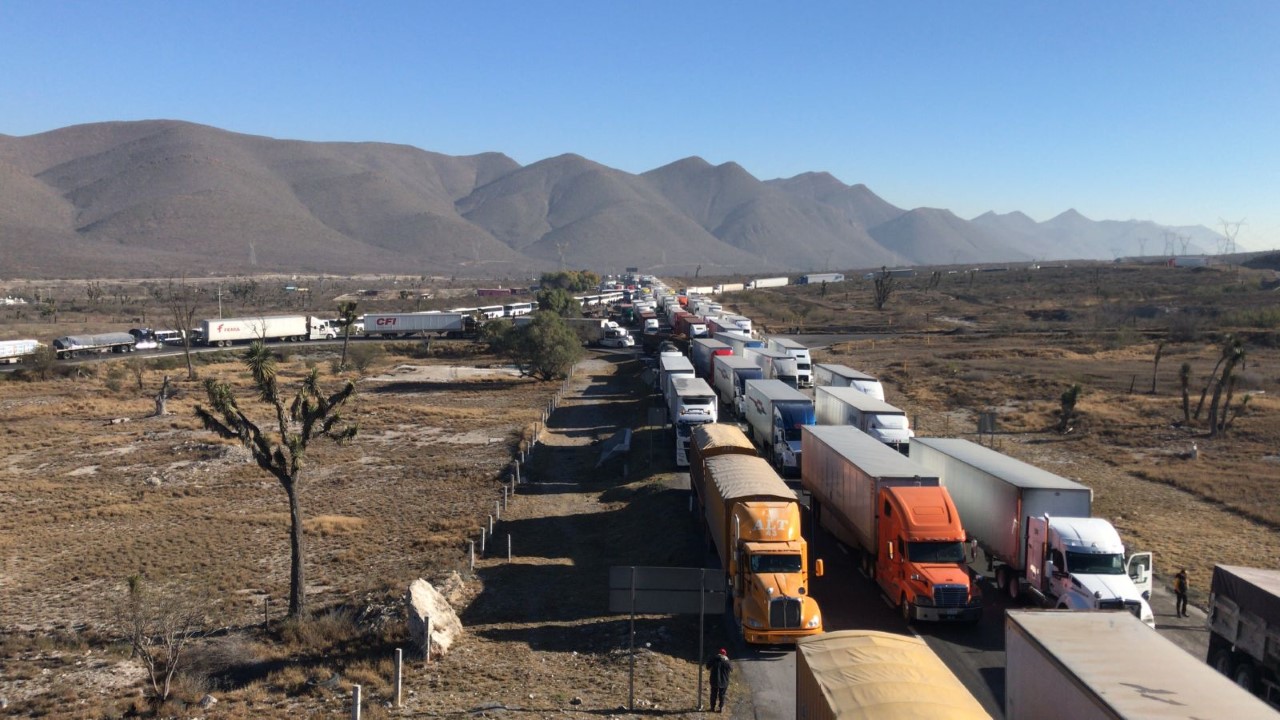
{"x": 877, "y": 418}
{"x": 1107, "y": 666}
{"x": 691, "y": 402}
{"x": 1035, "y": 530}
{"x": 777, "y": 365}
{"x": 828, "y": 374}
{"x": 730, "y": 374}
{"x": 804, "y": 364}
{"x": 775, "y": 413}
{"x": 223, "y": 332}
{"x": 452, "y": 324}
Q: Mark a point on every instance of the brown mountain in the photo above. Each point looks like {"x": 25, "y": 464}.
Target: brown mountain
{"x": 166, "y": 197}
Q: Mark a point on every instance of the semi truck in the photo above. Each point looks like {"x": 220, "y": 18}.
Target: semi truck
{"x": 753, "y": 521}
{"x": 669, "y": 367}
{"x": 832, "y": 375}
{"x": 731, "y": 374}
{"x": 804, "y": 364}
{"x": 702, "y": 351}
{"x": 223, "y": 332}
{"x": 595, "y": 332}
{"x": 1244, "y": 628}
{"x": 739, "y": 341}
{"x": 709, "y": 440}
{"x": 71, "y": 346}
{"x": 452, "y": 324}
{"x": 869, "y": 674}
{"x": 897, "y": 518}
{"x": 691, "y": 402}
{"x": 776, "y": 364}
{"x": 13, "y": 351}
{"x": 775, "y": 413}
{"x": 1107, "y": 665}
{"x": 1035, "y": 530}
{"x": 877, "y": 418}
{"x": 767, "y": 283}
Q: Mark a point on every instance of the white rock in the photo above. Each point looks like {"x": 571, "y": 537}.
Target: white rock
{"x": 424, "y": 601}
{"x": 208, "y": 701}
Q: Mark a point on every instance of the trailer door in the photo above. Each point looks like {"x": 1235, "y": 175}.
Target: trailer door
{"x": 1139, "y": 567}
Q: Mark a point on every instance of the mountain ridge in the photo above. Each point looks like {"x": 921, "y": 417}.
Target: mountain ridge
{"x": 160, "y": 197}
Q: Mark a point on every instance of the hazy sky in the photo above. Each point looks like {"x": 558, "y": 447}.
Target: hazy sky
{"x": 1166, "y": 111}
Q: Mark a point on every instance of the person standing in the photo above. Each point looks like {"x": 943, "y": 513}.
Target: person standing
{"x": 719, "y": 667}
{"x": 1180, "y": 592}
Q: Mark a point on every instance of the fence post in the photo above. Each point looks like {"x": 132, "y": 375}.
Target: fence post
{"x": 355, "y": 702}
{"x": 497, "y": 509}
{"x": 428, "y": 656}
{"x": 482, "y": 537}
{"x": 473, "y": 555}
{"x": 399, "y": 675}
{"x": 508, "y": 547}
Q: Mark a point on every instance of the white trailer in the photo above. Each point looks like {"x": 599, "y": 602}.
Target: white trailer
{"x": 739, "y": 341}
{"x": 1244, "y": 628}
{"x": 730, "y": 374}
{"x": 1108, "y": 666}
{"x": 222, "y": 332}
{"x": 1035, "y": 529}
{"x": 408, "y": 324}
{"x": 819, "y": 278}
{"x": 768, "y": 282}
{"x": 672, "y": 366}
{"x": 804, "y": 364}
{"x": 877, "y": 418}
{"x": 829, "y": 374}
{"x": 777, "y": 365}
{"x": 775, "y": 413}
{"x": 12, "y": 351}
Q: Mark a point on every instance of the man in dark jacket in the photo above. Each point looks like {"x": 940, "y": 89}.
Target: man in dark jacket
{"x": 720, "y": 667}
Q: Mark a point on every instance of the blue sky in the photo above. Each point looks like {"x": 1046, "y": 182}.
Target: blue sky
{"x": 1164, "y": 111}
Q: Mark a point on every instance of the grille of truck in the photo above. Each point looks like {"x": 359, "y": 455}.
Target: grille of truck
{"x": 950, "y": 595}
{"x": 784, "y": 612}
{"x": 1133, "y": 606}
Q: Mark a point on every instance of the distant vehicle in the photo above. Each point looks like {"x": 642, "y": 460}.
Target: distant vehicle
{"x": 776, "y": 364}
{"x": 730, "y": 374}
{"x": 877, "y": 418}
{"x": 13, "y": 351}
{"x": 819, "y": 278}
{"x": 72, "y": 346}
{"x": 223, "y": 332}
{"x": 844, "y": 376}
{"x": 703, "y": 350}
{"x": 596, "y": 332}
{"x": 449, "y": 324}
{"x": 775, "y": 413}
{"x": 767, "y": 283}
{"x": 804, "y": 365}
{"x": 517, "y": 309}
{"x": 690, "y": 402}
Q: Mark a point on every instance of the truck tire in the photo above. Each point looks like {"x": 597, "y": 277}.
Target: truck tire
{"x": 1221, "y": 661}
{"x": 1002, "y": 579}
{"x": 1014, "y": 590}
{"x": 1246, "y": 676}
{"x": 905, "y": 608}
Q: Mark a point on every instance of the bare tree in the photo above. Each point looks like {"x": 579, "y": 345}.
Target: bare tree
{"x": 1155, "y": 366}
{"x": 162, "y": 398}
{"x": 1233, "y": 353}
{"x": 159, "y": 626}
{"x": 280, "y": 451}
{"x": 884, "y": 288}
{"x": 183, "y": 301}
{"x": 346, "y": 319}
{"x": 1068, "y": 411}
{"x": 1184, "y": 381}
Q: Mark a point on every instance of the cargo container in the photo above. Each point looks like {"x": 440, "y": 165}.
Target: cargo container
{"x": 1108, "y": 666}
{"x": 739, "y": 341}
{"x": 897, "y": 519}
{"x": 223, "y": 332}
{"x": 12, "y": 351}
{"x": 777, "y": 365}
{"x": 775, "y": 413}
{"x": 873, "y": 675}
{"x": 1035, "y": 530}
{"x": 753, "y": 521}
{"x": 1244, "y": 628}
{"x": 767, "y": 283}
{"x": 877, "y": 418}
{"x": 827, "y": 374}
{"x": 669, "y": 367}
{"x": 819, "y": 278}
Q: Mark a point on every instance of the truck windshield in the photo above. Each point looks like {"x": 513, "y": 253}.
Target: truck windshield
{"x": 949, "y": 551}
{"x": 1095, "y": 563}
{"x": 775, "y": 563}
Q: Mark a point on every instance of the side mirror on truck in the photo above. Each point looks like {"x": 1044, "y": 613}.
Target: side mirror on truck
{"x": 817, "y": 567}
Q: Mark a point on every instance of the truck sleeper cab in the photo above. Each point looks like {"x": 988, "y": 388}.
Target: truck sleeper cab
{"x": 921, "y": 563}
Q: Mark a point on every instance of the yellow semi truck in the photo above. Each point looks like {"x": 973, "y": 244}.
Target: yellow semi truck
{"x": 753, "y": 519}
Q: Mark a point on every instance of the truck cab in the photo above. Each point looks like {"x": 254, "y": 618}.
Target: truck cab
{"x": 1079, "y": 564}
{"x": 770, "y": 582}
{"x": 787, "y": 421}
{"x": 921, "y": 563}
{"x": 891, "y": 429}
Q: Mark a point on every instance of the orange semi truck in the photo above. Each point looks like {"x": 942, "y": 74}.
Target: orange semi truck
{"x": 753, "y": 519}
{"x": 896, "y": 516}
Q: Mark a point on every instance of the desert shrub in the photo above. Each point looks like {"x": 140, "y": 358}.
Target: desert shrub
{"x": 321, "y": 632}
{"x": 363, "y": 355}
{"x": 115, "y": 376}
{"x": 40, "y": 365}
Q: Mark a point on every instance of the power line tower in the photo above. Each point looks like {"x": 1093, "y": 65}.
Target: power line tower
{"x": 560, "y": 248}
{"x": 1229, "y": 233}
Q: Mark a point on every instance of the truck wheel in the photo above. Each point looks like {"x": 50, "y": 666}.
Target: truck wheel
{"x": 1014, "y": 590}
{"x": 1246, "y": 676}
{"x": 1002, "y": 579}
{"x": 1221, "y": 661}
{"x": 905, "y": 607}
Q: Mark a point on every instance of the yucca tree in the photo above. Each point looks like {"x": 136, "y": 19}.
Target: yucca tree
{"x": 346, "y": 320}
{"x": 280, "y": 450}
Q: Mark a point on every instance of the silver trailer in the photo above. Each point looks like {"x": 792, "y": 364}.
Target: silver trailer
{"x": 1109, "y": 666}
{"x": 222, "y": 332}
{"x": 75, "y": 345}
{"x": 672, "y": 366}
{"x": 730, "y": 374}
{"x": 828, "y": 374}
{"x": 776, "y": 364}
{"x": 1244, "y": 628}
{"x": 12, "y": 351}
{"x": 804, "y": 364}
{"x": 995, "y": 494}
{"x": 877, "y": 418}
{"x": 844, "y": 470}
{"x": 404, "y": 324}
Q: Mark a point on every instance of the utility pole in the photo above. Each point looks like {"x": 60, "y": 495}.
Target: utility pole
{"x": 1230, "y": 231}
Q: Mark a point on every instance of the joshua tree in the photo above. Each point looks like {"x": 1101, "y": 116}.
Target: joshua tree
{"x": 346, "y": 320}
{"x": 1068, "y": 412}
{"x": 884, "y": 288}
{"x": 280, "y": 451}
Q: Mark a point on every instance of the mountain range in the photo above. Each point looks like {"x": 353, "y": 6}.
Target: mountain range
{"x": 163, "y": 197}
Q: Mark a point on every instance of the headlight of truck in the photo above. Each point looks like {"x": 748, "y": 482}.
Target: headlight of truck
{"x": 815, "y": 621}
{"x": 752, "y": 622}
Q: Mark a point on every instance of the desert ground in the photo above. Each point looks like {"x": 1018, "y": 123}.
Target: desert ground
{"x": 98, "y": 490}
